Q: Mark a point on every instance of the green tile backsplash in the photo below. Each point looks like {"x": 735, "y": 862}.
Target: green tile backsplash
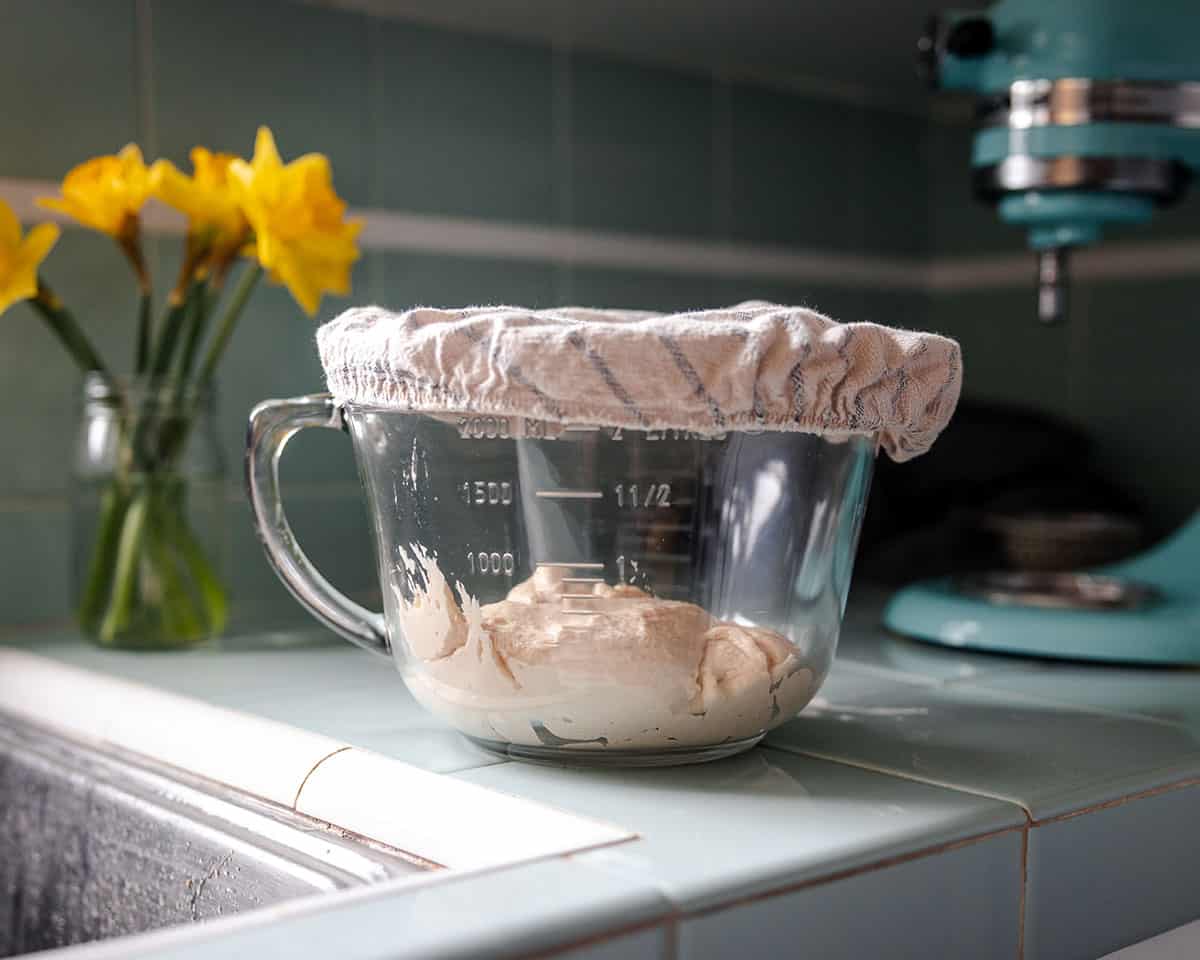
{"x": 641, "y": 149}
{"x": 70, "y": 68}
{"x": 448, "y": 124}
{"x": 1138, "y": 389}
{"x": 35, "y": 540}
{"x": 399, "y": 280}
{"x": 39, "y": 385}
{"x": 959, "y": 225}
{"x": 798, "y": 167}
{"x": 1008, "y": 357}
{"x": 461, "y": 125}
{"x": 641, "y": 290}
{"x": 222, "y": 67}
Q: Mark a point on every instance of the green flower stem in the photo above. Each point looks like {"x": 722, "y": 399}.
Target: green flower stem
{"x": 98, "y": 587}
{"x": 176, "y": 601}
{"x": 144, "y": 333}
{"x": 64, "y": 326}
{"x": 198, "y": 569}
{"x": 164, "y": 349}
{"x": 220, "y": 341}
{"x": 197, "y": 321}
{"x": 152, "y": 421}
{"x": 125, "y": 570}
{"x": 155, "y": 585}
{"x": 241, "y": 294}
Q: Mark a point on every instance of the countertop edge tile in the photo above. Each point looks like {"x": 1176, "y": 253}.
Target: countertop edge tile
{"x": 852, "y": 869}
{"x": 886, "y": 771}
{"x": 649, "y": 943}
{"x": 955, "y": 819}
{"x": 1051, "y": 807}
{"x": 1125, "y": 790}
{"x": 892, "y": 910}
{"x": 1143, "y": 854}
{"x": 352, "y": 789}
{"x": 973, "y": 739}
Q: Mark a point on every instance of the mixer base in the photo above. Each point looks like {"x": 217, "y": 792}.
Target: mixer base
{"x": 1163, "y": 630}
{"x": 604, "y": 757}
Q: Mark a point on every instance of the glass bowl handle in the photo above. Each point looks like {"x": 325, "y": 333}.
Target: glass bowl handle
{"x": 272, "y": 424}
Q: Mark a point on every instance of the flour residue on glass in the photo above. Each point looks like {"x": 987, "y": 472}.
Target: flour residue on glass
{"x": 629, "y": 671}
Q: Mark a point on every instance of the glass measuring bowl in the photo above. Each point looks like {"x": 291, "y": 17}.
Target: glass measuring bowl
{"x": 588, "y": 594}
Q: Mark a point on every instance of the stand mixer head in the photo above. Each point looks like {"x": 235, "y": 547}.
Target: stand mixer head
{"x": 1090, "y": 115}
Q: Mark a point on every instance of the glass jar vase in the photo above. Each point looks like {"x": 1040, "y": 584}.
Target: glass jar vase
{"x": 148, "y": 516}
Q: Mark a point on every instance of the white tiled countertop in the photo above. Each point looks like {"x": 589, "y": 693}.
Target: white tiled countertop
{"x": 930, "y": 803}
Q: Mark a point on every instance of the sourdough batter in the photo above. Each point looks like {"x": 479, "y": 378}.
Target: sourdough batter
{"x": 638, "y": 673}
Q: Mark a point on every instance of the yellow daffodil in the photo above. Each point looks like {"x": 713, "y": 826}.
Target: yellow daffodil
{"x": 301, "y": 235}
{"x": 105, "y": 193}
{"x": 21, "y": 256}
{"x": 206, "y": 197}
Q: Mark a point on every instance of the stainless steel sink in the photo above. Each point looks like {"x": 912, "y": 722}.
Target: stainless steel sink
{"x": 96, "y": 844}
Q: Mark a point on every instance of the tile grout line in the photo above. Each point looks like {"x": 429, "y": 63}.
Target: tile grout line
{"x": 1029, "y": 825}
{"x": 850, "y": 872}
{"x": 606, "y": 936}
{"x": 398, "y": 230}
{"x": 900, "y": 775}
{"x": 234, "y": 494}
{"x": 563, "y": 173}
{"x": 671, "y": 921}
{"x": 721, "y": 163}
{"x": 980, "y": 684}
{"x": 1121, "y": 801}
{"x": 672, "y": 934}
{"x": 373, "y": 100}
{"x": 144, "y": 75}
{"x": 1023, "y": 900}
{"x": 808, "y": 86}
{"x": 23, "y": 631}
{"x": 958, "y": 788}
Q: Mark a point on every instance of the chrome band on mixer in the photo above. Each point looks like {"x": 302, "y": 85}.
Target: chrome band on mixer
{"x": 1163, "y": 180}
{"x": 1075, "y": 101}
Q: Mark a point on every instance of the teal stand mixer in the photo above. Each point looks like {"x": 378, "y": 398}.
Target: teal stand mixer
{"x": 1089, "y": 117}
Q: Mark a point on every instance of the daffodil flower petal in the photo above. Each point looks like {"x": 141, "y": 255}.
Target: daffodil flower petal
{"x": 301, "y": 236}
{"x": 10, "y": 227}
{"x": 20, "y": 258}
{"x": 104, "y": 192}
{"x": 207, "y": 197}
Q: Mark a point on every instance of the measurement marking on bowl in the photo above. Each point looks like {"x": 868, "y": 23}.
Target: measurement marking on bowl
{"x": 557, "y": 565}
{"x": 570, "y": 494}
{"x": 571, "y": 604}
{"x": 582, "y": 579}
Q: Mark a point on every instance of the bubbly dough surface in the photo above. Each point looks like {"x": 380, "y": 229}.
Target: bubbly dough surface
{"x": 618, "y": 669}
